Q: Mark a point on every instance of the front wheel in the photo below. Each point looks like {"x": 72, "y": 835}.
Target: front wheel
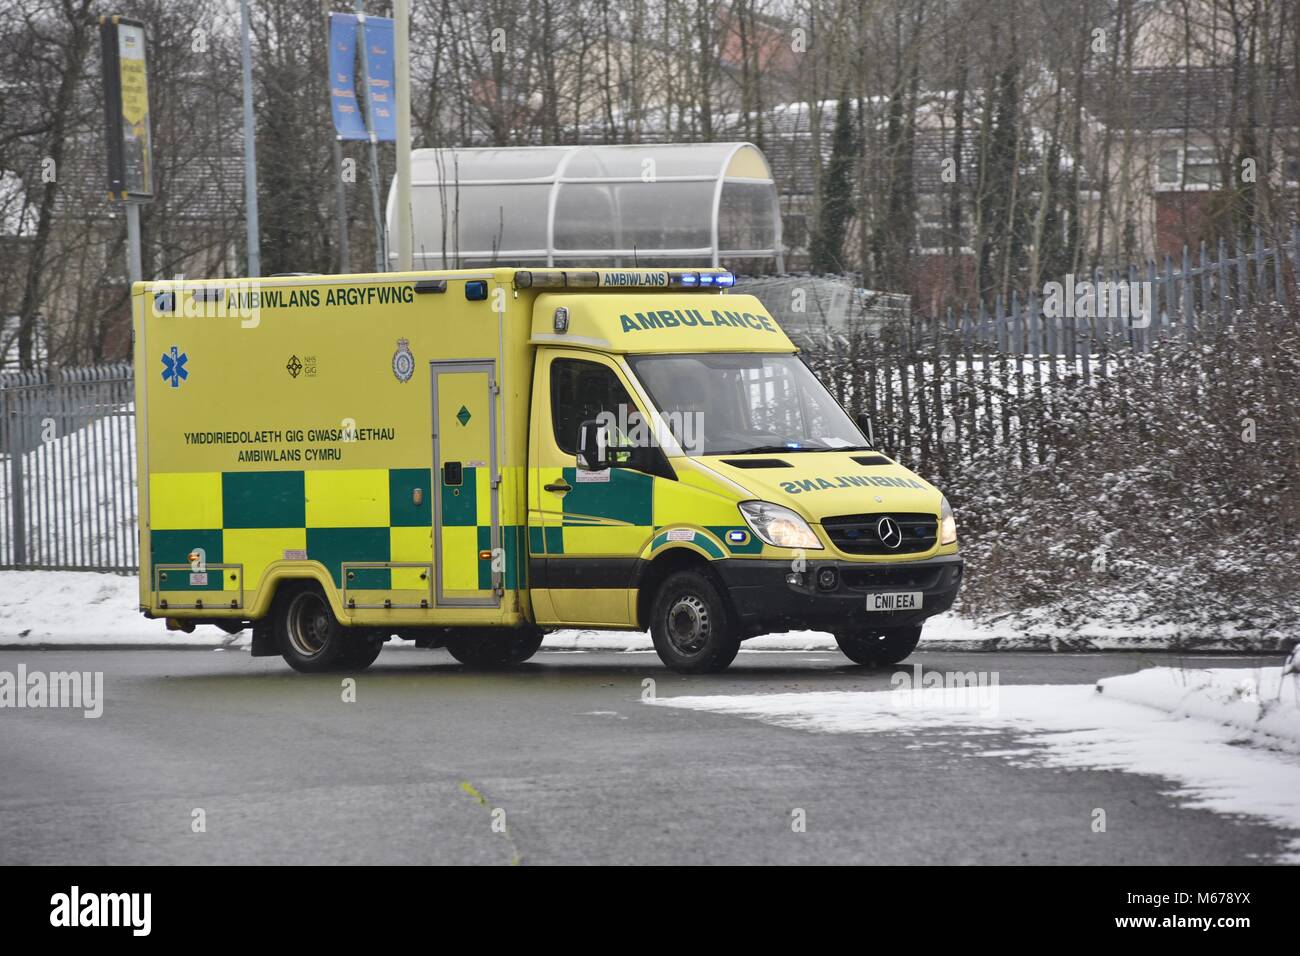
{"x": 691, "y": 625}
{"x": 880, "y": 646}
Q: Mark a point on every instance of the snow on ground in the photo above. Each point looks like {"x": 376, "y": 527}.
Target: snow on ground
{"x": 81, "y": 607}
{"x": 1186, "y": 727}
{"x": 1262, "y": 701}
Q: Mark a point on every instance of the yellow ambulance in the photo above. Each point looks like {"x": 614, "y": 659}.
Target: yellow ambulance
{"x": 469, "y": 459}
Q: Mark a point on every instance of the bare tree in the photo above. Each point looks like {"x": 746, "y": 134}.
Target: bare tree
{"x": 57, "y": 45}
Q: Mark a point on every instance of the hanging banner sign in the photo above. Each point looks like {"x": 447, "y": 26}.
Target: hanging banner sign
{"x": 349, "y": 123}
{"x": 126, "y": 109}
{"x": 379, "y": 54}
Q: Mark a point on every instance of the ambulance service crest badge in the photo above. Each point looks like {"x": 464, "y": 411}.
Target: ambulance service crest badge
{"x": 403, "y": 361}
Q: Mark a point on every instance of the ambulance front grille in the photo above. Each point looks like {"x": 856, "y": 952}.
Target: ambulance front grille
{"x": 859, "y": 534}
{"x": 908, "y": 578}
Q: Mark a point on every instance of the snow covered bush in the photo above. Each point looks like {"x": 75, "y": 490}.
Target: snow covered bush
{"x": 1166, "y": 490}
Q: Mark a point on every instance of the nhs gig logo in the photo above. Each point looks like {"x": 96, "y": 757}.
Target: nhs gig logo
{"x": 77, "y": 909}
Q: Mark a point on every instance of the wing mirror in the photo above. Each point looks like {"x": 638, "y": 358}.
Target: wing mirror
{"x": 864, "y": 425}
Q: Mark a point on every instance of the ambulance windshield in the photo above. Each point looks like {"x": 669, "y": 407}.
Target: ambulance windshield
{"x": 735, "y": 404}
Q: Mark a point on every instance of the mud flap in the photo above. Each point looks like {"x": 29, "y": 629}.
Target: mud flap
{"x": 264, "y": 644}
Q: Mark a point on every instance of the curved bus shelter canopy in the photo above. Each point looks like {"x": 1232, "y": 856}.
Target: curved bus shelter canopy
{"x": 687, "y": 204}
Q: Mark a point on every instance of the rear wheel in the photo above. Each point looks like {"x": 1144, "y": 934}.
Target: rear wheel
{"x": 487, "y": 647}
{"x": 691, "y": 625}
{"x": 312, "y": 640}
{"x": 362, "y": 649}
{"x": 879, "y": 646}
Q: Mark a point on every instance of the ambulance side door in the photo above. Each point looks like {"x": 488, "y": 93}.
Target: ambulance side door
{"x": 594, "y": 524}
{"x": 466, "y": 506}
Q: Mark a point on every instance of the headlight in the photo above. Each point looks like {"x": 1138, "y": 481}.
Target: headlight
{"x": 947, "y": 524}
{"x": 779, "y": 526}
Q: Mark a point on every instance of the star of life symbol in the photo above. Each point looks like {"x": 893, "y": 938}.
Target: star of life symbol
{"x": 174, "y": 366}
{"x": 403, "y": 361}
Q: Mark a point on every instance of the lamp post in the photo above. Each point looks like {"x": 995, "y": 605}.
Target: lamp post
{"x": 250, "y": 148}
{"x": 401, "y": 51}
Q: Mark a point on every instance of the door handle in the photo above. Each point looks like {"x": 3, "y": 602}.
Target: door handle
{"x": 559, "y": 485}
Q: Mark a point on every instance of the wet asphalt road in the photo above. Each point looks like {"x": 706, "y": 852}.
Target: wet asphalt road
{"x": 419, "y": 767}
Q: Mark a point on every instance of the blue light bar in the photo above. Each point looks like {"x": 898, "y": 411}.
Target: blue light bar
{"x": 689, "y": 279}
{"x": 706, "y": 279}
{"x": 724, "y": 279}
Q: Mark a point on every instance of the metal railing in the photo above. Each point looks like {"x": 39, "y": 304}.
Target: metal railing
{"x": 67, "y": 470}
{"x": 940, "y": 387}
{"x": 1185, "y": 299}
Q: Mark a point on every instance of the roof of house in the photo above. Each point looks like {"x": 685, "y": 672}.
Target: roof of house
{"x": 1175, "y": 97}
{"x": 203, "y": 189}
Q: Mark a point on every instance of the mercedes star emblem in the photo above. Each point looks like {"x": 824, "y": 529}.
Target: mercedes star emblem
{"x": 891, "y": 536}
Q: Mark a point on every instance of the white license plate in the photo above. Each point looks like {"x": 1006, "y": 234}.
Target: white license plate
{"x": 895, "y": 601}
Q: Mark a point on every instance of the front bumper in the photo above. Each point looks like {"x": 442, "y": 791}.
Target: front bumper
{"x": 765, "y": 601}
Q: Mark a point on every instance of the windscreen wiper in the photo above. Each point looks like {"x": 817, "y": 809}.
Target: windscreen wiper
{"x": 774, "y": 450}
{"x": 786, "y": 449}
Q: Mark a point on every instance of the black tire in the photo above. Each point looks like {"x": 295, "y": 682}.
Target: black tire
{"x": 879, "y": 647}
{"x": 362, "y": 648}
{"x": 310, "y": 637}
{"x": 493, "y": 647}
{"x": 692, "y": 626}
